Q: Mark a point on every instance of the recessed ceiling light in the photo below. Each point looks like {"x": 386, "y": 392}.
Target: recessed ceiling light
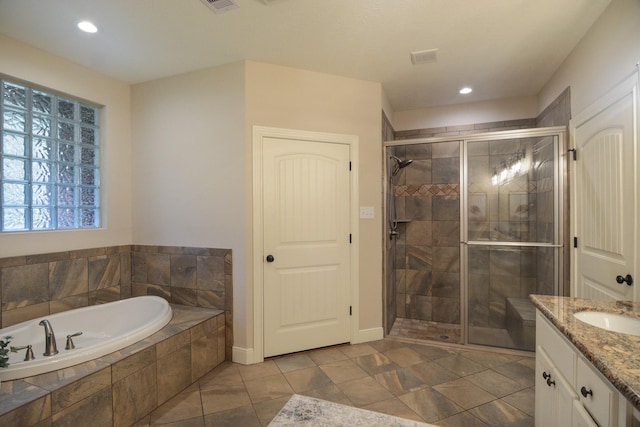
{"x": 87, "y": 27}
{"x": 466, "y": 90}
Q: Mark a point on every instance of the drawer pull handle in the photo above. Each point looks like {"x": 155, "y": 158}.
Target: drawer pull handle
{"x": 549, "y": 382}
{"x": 546, "y": 376}
{"x": 586, "y": 392}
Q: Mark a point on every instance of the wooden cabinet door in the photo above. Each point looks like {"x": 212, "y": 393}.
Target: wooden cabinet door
{"x": 545, "y": 405}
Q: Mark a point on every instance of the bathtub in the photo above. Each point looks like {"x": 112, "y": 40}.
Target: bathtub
{"x": 105, "y": 328}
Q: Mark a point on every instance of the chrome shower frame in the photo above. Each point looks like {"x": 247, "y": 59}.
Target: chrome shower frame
{"x": 560, "y": 237}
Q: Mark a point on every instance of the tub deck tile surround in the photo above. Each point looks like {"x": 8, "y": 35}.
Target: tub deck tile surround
{"x": 34, "y": 286}
{"x": 133, "y": 381}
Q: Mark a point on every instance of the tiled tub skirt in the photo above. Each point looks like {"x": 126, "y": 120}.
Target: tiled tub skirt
{"x": 120, "y": 388}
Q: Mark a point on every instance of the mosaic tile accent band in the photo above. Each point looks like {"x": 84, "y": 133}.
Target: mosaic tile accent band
{"x": 426, "y": 190}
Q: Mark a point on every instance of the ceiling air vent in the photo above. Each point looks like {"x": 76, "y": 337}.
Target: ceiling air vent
{"x": 221, "y": 6}
{"x": 424, "y": 56}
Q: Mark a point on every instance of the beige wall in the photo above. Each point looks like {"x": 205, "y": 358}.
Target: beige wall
{"x": 33, "y": 65}
{"x": 465, "y": 114}
{"x": 190, "y": 173}
{"x": 192, "y": 138}
{"x": 604, "y": 57}
{"x": 295, "y": 99}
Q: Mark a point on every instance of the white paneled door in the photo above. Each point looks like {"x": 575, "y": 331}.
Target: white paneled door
{"x": 605, "y": 195}
{"x": 306, "y": 233}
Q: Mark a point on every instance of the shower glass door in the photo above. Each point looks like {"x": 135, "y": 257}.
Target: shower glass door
{"x": 512, "y": 237}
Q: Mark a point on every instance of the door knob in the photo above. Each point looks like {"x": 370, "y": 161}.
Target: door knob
{"x": 270, "y": 258}
{"x": 626, "y": 278}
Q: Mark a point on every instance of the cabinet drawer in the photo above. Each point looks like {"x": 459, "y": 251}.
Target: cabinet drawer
{"x": 559, "y": 349}
{"x": 601, "y": 399}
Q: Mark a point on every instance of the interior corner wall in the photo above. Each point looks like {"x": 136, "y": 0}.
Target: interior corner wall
{"x": 290, "y": 98}
{"x": 464, "y": 114}
{"x": 606, "y": 55}
{"x": 24, "y": 62}
{"x": 189, "y": 176}
{"x": 387, "y": 108}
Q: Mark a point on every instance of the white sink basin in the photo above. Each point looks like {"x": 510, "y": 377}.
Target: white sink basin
{"x": 610, "y": 322}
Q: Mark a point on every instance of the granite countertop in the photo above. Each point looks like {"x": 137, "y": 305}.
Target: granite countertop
{"x": 615, "y": 355}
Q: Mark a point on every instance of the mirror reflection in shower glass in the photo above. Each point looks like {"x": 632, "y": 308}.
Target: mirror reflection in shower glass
{"x": 511, "y": 188}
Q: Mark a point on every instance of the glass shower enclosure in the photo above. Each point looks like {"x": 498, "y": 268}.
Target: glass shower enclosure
{"x": 512, "y": 233}
{"x": 474, "y": 225}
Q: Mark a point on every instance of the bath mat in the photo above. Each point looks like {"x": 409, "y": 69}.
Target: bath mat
{"x": 308, "y": 411}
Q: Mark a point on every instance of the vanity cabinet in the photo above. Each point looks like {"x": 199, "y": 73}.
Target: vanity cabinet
{"x": 569, "y": 391}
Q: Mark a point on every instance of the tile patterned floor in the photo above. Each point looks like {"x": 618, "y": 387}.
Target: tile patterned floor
{"x": 445, "y": 386}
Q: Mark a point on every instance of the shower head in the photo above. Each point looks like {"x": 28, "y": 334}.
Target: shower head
{"x": 400, "y": 164}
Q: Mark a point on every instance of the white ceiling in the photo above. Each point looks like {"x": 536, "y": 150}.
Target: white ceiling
{"x": 502, "y": 48}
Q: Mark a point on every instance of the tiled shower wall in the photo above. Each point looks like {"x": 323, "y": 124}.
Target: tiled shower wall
{"x": 454, "y": 131}
{"x": 558, "y": 113}
{"x": 33, "y": 286}
{"x": 427, "y": 195}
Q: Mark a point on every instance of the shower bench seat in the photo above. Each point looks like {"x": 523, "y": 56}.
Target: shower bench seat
{"x": 521, "y": 322}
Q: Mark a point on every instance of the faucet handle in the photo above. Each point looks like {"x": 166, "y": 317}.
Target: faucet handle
{"x": 29, "y": 354}
{"x": 70, "y": 345}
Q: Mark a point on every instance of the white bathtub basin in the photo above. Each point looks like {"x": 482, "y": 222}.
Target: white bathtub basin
{"x": 105, "y": 328}
{"x": 610, "y": 322}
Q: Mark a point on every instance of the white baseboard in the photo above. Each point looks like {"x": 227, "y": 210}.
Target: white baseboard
{"x": 244, "y": 356}
{"x": 366, "y": 335}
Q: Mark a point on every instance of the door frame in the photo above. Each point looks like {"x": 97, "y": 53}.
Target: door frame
{"x": 259, "y": 133}
{"x": 627, "y": 86}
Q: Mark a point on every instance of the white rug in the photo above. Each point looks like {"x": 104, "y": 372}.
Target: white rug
{"x": 307, "y": 411}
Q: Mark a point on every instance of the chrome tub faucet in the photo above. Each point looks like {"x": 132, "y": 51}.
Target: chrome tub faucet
{"x": 50, "y": 347}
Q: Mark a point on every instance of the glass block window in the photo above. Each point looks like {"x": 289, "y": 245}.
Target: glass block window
{"x": 50, "y": 160}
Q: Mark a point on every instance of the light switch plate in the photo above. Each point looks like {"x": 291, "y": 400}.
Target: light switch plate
{"x": 367, "y": 212}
